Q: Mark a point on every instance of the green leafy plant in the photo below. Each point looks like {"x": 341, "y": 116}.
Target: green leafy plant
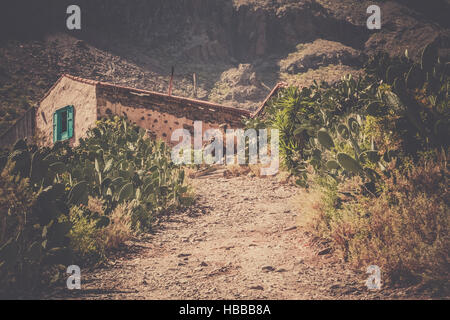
{"x": 45, "y": 219}
{"x": 33, "y": 239}
{"x": 119, "y": 164}
{"x": 357, "y": 126}
{"x": 360, "y": 145}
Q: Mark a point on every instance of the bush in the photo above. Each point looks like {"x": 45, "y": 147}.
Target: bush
{"x": 356, "y": 126}
{"x": 404, "y": 231}
{"x": 118, "y": 164}
{"x": 30, "y": 250}
{"x": 120, "y": 229}
{"x": 372, "y": 150}
{"x": 63, "y": 205}
{"x": 16, "y": 200}
{"x": 91, "y": 239}
{"x": 85, "y": 238}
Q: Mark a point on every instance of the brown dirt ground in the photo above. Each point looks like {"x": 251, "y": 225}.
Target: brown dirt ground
{"x": 241, "y": 241}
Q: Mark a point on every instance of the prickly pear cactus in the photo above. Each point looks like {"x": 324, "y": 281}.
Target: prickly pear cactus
{"x": 325, "y": 139}
{"x": 348, "y": 163}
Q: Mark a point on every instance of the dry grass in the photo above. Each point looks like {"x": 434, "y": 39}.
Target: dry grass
{"x": 95, "y": 205}
{"x": 120, "y": 228}
{"x": 330, "y": 74}
{"x": 91, "y": 243}
{"x": 404, "y": 231}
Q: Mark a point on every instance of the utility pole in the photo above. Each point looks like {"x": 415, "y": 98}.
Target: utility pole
{"x": 171, "y": 81}
{"x": 194, "y": 76}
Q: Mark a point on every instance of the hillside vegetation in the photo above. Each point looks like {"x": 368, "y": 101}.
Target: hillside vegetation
{"x": 62, "y": 205}
{"x": 370, "y": 148}
{"x": 372, "y": 152}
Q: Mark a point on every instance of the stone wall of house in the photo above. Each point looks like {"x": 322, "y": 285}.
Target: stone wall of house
{"x": 158, "y": 113}
{"x": 161, "y": 114}
{"x": 67, "y": 91}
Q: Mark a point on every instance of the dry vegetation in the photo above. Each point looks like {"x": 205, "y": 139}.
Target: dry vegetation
{"x": 377, "y": 176}
{"x": 404, "y": 231}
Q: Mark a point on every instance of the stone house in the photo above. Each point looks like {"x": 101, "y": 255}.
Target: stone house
{"x": 73, "y": 105}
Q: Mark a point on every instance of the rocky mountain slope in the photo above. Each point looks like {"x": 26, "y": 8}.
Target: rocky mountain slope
{"x": 237, "y": 49}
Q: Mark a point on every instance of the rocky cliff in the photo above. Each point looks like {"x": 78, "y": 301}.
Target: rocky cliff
{"x": 238, "y": 49}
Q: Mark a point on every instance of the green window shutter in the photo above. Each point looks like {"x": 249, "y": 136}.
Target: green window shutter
{"x": 70, "y": 121}
{"x": 61, "y": 135}
{"x": 63, "y": 131}
{"x": 55, "y": 127}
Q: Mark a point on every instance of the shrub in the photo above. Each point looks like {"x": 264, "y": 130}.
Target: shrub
{"x": 120, "y": 229}
{"x": 356, "y": 126}
{"x": 85, "y": 238}
{"x": 16, "y": 200}
{"x": 31, "y": 245}
{"x": 118, "y": 164}
{"x": 405, "y": 230}
{"x": 377, "y": 147}
{"x": 62, "y": 205}
{"x": 91, "y": 239}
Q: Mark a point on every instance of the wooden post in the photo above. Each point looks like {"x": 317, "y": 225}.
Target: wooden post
{"x": 171, "y": 81}
{"x": 194, "y": 76}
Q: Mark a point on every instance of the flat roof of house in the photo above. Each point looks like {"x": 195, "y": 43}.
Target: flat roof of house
{"x": 201, "y": 103}
{"x": 189, "y": 101}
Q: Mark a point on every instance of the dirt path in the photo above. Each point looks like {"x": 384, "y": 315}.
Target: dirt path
{"x": 241, "y": 243}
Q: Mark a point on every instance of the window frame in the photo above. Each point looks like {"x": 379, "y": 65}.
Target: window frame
{"x": 58, "y": 134}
